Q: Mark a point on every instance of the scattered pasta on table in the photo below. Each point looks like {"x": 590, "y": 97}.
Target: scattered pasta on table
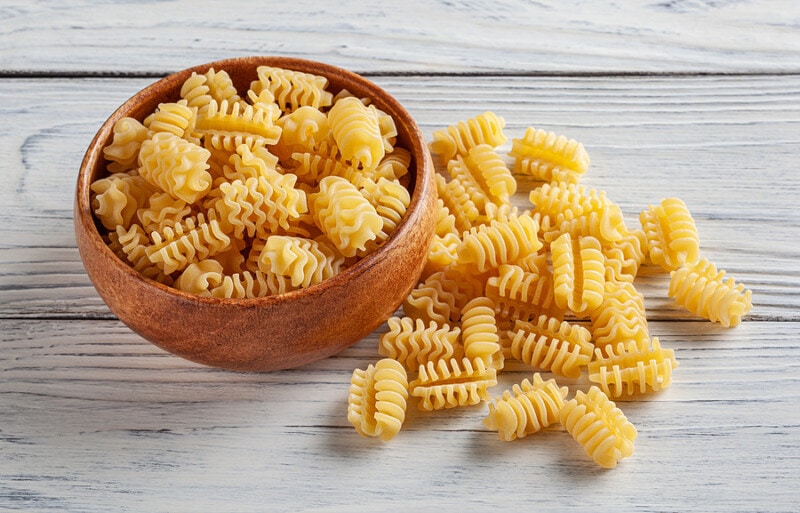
{"x": 551, "y": 286}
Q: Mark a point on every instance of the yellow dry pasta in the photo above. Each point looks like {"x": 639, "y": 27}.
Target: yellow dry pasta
{"x": 595, "y": 422}
{"x": 551, "y": 345}
{"x": 578, "y": 273}
{"x": 452, "y": 383}
{"x": 306, "y": 262}
{"x": 348, "y": 218}
{"x": 293, "y": 89}
{"x": 117, "y": 198}
{"x": 479, "y": 333}
{"x": 459, "y": 203}
{"x": 177, "y": 166}
{"x": 671, "y": 234}
{"x": 526, "y": 409}
{"x": 226, "y": 125}
{"x": 620, "y": 317}
{"x": 356, "y": 129}
{"x": 486, "y": 128}
{"x": 631, "y": 368}
{"x": 442, "y": 296}
{"x": 708, "y": 293}
{"x": 549, "y": 157}
{"x": 123, "y": 151}
{"x": 176, "y": 118}
{"x": 412, "y": 342}
{"x": 488, "y": 167}
{"x": 195, "y": 239}
{"x": 500, "y": 242}
{"x": 377, "y": 403}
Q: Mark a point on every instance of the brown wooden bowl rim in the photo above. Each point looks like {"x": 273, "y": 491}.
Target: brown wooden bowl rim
{"x": 419, "y": 151}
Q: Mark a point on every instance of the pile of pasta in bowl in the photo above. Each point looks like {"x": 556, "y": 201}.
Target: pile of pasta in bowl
{"x": 245, "y": 194}
{"x": 551, "y": 286}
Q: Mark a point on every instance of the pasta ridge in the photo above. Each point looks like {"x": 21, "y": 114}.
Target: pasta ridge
{"x": 708, "y": 293}
{"x": 578, "y": 273}
{"x": 500, "y": 242}
{"x": 671, "y": 234}
{"x": 601, "y": 428}
{"x": 306, "y": 262}
{"x": 378, "y": 399}
{"x": 413, "y": 343}
{"x": 452, "y": 383}
{"x": 526, "y": 409}
{"x": 549, "y": 157}
{"x": 345, "y": 215}
{"x": 226, "y": 125}
{"x": 457, "y": 139}
{"x": 629, "y": 368}
{"x": 175, "y": 165}
{"x": 552, "y": 345}
{"x": 479, "y": 333}
{"x": 175, "y": 247}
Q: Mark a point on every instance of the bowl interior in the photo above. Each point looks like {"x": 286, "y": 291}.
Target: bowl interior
{"x": 272, "y": 332}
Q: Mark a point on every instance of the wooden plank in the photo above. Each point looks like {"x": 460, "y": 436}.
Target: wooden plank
{"x": 722, "y": 144}
{"x": 93, "y": 415}
{"x": 508, "y": 36}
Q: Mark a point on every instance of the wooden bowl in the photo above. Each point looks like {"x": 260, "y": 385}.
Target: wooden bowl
{"x": 274, "y": 332}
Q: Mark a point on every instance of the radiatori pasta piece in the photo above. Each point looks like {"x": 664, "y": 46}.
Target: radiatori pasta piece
{"x": 489, "y": 246}
{"x": 671, "y": 234}
{"x": 491, "y": 171}
{"x": 708, "y": 293}
{"x": 357, "y": 132}
{"x": 390, "y": 200}
{"x": 526, "y": 409}
{"x": 293, "y": 89}
{"x": 117, "y": 198}
{"x": 452, "y": 383}
{"x": 301, "y": 131}
{"x": 549, "y": 157}
{"x": 631, "y": 368}
{"x": 378, "y": 397}
{"x": 458, "y": 201}
{"x": 471, "y": 182}
{"x": 620, "y": 317}
{"x": 551, "y": 345}
{"x": 227, "y": 125}
{"x": 521, "y": 294}
{"x": 176, "y": 118}
{"x": 175, "y": 248}
{"x": 123, "y": 152}
{"x": 578, "y": 273}
{"x": 413, "y": 343}
{"x": 345, "y": 215}
{"x": 479, "y": 333}
{"x": 442, "y": 296}
{"x": 200, "y": 277}
{"x": 162, "y": 211}
{"x": 177, "y": 166}
{"x": 486, "y": 128}
{"x": 305, "y": 262}
{"x": 601, "y": 428}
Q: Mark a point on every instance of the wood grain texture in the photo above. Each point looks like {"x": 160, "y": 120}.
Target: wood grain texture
{"x": 94, "y": 416}
{"x": 719, "y": 143}
{"x": 144, "y": 36}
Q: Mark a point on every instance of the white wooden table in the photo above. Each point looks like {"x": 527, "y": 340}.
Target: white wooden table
{"x": 686, "y": 98}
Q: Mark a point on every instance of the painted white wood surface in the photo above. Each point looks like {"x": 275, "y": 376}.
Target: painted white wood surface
{"x": 146, "y": 36}
{"x": 94, "y": 419}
